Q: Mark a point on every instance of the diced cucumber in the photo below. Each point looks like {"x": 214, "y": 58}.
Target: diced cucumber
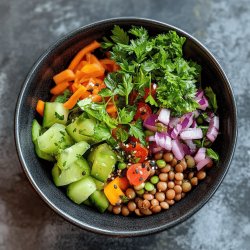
{"x": 41, "y": 154}
{"x": 99, "y": 184}
{"x": 35, "y": 130}
{"x": 91, "y": 156}
{"x": 54, "y": 112}
{"x": 80, "y": 191}
{"x": 104, "y": 161}
{"x": 87, "y": 203}
{"x": 71, "y": 154}
{"x": 54, "y": 139}
{"x": 75, "y": 172}
{"x": 82, "y": 129}
{"x": 99, "y": 200}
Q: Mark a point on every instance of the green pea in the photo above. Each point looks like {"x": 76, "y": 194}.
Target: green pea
{"x": 149, "y": 186}
{"x": 154, "y": 179}
{"x": 140, "y": 192}
{"x": 161, "y": 163}
{"x": 122, "y": 165}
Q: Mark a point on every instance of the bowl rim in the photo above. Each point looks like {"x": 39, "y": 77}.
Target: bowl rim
{"x": 81, "y": 224}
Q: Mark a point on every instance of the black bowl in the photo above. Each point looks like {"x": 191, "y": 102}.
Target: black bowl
{"x": 37, "y": 85}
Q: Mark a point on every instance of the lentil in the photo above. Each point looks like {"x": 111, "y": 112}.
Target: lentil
{"x": 168, "y": 157}
{"x": 164, "y": 205}
{"x": 194, "y": 181}
{"x": 190, "y": 161}
{"x": 166, "y": 169}
{"x": 156, "y": 209}
{"x": 117, "y": 209}
{"x": 170, "y": 194}
{"x": 131, "y": 206}
{"x": 186, "y": 186}
{"x": 171, "y": 184}
{"x": 163, "y": 176}
{"x": 158, "y": 156}
{"x": 162, "y": 186}
{"x": 173, "y": 162}
{"x": 201, "y": 175}
{"x": 148, "y": 197}
{"x": 130, "y": 193}
{"x": 160, "y": 196}
{"x": 179, "y": 176}
{"x": 170, "y": 202}
{"x": 138, "y": 212}
{"x": 139, "y": 187}
{"x": 177, "y": 189}
{"x": 154, "y": 202}
{"x": 125, "y": 211}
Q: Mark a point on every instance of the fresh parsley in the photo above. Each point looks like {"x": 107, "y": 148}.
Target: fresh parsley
{"x": 212, "y": 154}
{"x": 211, "y": 98}
{"x": 136, "y": 130}
{"x": 59, "y": 117}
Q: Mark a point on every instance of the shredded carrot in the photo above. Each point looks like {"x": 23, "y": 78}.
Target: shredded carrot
{"x": 80, "y": 65}
{"x": 111, "y": 109}
{"x": 40, "y": 107}
{"x": 58, "y": 89}
{"x": 93, "y": 69}
{"x": 107, "y": 61}
{"x": 74, "y": 98}
{"x": 66, "y": 75}
{"x": 96, "y": 98}
{"x": 92, "y": 46}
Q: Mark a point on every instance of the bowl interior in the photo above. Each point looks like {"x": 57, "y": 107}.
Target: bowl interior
{"x": 36, "y": 86}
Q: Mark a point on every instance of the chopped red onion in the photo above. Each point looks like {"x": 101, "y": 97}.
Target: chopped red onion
{"x": 191, "y": 134}
{"x": 196, "y": 113}
{"x": 186, "y": 149}
{"x": 191, "y": 146}
{"x": 150, "y": 121}
{"x": 177, "y": 149}
{"x": 203, "y": 103}
{"x": 203, "y": 163}
{"x": 194, "y": 124}
{"x": 200, "y": 155}
{"x": 154, "y": 148}
{"x": 187, "y": 120}
{"x": 163, "y": 140}
{"x": 151, "y": 138}
{"x": 164, "y": 116}
{"x": 175, "y": 132}
{"x": 173, "y": 122}
{"x": 199, "y": 93}
{"x": 213, "y": 128}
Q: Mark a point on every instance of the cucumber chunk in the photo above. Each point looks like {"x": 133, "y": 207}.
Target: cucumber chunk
{"x": 71, "y": 154}
{"x": 75, "y": 172}
{"x": 35, "y": 130}
{"x": 54, "y": 112}
{"x": 80, "y": 191}
{"x": 87, "y": 203}
{"x": 104, "y": 161}
{"x": 99, "y": 200}
{"x": 54, "y": 140}
{"x": 99, "y": 184}
{"x": 82, "y": 129}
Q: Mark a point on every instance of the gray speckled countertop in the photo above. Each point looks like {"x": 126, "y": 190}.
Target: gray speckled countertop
{"x": 29, "y": 27}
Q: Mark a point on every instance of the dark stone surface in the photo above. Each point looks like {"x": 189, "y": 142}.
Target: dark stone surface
{"x": 28, "y": 28}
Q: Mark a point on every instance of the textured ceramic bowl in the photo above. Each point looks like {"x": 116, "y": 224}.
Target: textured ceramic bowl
{"x": 37, "y": 85}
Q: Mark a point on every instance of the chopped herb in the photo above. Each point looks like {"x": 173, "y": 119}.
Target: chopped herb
{"x": 212, "y": 154}
{"x": 211, "y": 98}
{"x": 74, "y": 130}
{"x": 59, "y": 117}
{"x": 64, "y": 164}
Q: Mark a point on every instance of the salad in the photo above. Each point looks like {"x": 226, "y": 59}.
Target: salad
{"x": 129, "y": 127}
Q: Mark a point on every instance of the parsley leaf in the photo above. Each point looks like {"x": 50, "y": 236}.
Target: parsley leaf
{"x": 136, "y": 130}
{"x": 212, "y": 154}
{"x": 59, "y": 117}
{"x": 102, "y": 132}
{"x": 97, "y": 111}
{"x": 126, "y": 115}
{"x": 119, "y": 35}
{"x": 122, "y": 134}
{"x": 64, "y": 97}
{"x": 150, "y": 99}
{"x": 211, "y": 98}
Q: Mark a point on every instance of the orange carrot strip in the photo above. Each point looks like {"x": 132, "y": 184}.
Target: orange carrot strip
{"x": 96, "y": 98}
{"x": 40, "y": 107}
{"x": 58, "y": 89}
{"x": 111, "y": 109}
{"x": 80, "y": 65}
{"x": 92, "y": 69}
{"x": 94, "y": 59}
{"x": 66, "y": 75}
{"x": 107, "y": 61}
{"x": 92, "y": 46}
{"x": 74, "y": 98}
